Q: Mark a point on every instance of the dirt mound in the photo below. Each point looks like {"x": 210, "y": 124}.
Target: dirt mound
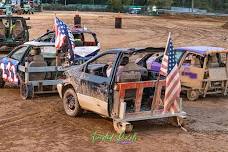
{"x": 225, "y": 26}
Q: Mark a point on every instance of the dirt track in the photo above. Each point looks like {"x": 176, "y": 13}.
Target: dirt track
{"x": 42, "y": 125}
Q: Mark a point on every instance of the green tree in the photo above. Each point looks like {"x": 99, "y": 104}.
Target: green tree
{"x": 152, "y": 2}
{"x": 115, "y": 5}
{"x": 160, "y": 3}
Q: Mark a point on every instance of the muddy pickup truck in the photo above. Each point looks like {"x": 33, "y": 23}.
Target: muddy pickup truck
{"x": 117, "y": 84}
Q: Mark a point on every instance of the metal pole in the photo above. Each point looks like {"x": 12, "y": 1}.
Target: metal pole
{"x": 192, "y": 5}
{"x": 65, "y": 2}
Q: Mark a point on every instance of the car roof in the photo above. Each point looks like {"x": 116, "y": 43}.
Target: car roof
{"x": 203, "y": 50}
{"x": 34, "y": 43}
{"x": 136, "y": 50}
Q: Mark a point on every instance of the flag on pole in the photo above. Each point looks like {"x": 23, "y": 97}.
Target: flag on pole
{"x": 173, "y": 84}
{"x": 63, "y": 36}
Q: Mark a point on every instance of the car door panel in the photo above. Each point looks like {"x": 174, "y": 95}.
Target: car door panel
{"x": 9, "y": 64}
{"x": 192, "y": 76}
{"x": 93, "y": 104}
{"x": 93, "y": 94}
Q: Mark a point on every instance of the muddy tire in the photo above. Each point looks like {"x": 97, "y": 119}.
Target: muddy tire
{"x": 2, "y": 82}
{"x": 122, "y": 127}
{"x": 26, "y": 91}
{"x": 174, "y": 121}
{"x": 71, "y": 104}
{"x": 192, "y": 95}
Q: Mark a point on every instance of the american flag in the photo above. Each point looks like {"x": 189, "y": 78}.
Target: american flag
{"x": 64, "y": 37}
{"x": 173, "y": 84}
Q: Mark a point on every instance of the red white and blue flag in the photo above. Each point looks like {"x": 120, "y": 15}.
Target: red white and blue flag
{"x": 173, "y": 84}
{"x": 64, "y": 36}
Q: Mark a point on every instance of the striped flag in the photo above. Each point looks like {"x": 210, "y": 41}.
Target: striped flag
{"x": 164, "y": 65}
{"x": 173, "y": 84}
{"x": 64, "y": 37}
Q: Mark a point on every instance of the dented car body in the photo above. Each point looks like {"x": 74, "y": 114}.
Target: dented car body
{"x": 204, "y": 70}
{"x": 116, "y": 84}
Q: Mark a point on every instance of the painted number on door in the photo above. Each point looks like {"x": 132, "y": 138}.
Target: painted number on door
{"x": 9, "y": 72}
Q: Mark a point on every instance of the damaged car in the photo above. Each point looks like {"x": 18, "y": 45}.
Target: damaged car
{"x": 118, "y": 84}
{"x": 203, "y": 70}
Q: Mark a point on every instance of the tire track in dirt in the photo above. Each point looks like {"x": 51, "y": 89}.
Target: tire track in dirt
{"x": 15, "y": 119}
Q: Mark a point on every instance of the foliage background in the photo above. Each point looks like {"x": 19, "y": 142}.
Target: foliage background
{"x": 118, "y": 5}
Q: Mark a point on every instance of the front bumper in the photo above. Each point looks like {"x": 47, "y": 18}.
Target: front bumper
{"x": 59, "y": 88}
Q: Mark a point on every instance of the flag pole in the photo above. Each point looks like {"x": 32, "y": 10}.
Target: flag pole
{"x": 57, "y": 55}
{"x": 167, "y": 43}
{"x": 154, "y": 104}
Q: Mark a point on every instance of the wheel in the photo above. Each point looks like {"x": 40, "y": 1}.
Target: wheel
{"x": 121, "y": 127}
{"x": 174, "y": 121}
{"x": 2, "y": 83}
{"x": 71, "y": 104}
{"x": 192, "y": 95}
{"x": 26, "y": 91}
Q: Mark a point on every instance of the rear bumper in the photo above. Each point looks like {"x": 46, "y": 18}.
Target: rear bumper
{"x": 149, "y": 115}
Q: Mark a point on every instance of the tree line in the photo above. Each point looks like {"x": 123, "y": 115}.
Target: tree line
{"x": 210, "y": 5}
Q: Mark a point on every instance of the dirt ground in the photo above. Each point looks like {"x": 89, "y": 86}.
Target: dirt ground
{"x": 42, "y": 125}
{"x": 225, "y": 26}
